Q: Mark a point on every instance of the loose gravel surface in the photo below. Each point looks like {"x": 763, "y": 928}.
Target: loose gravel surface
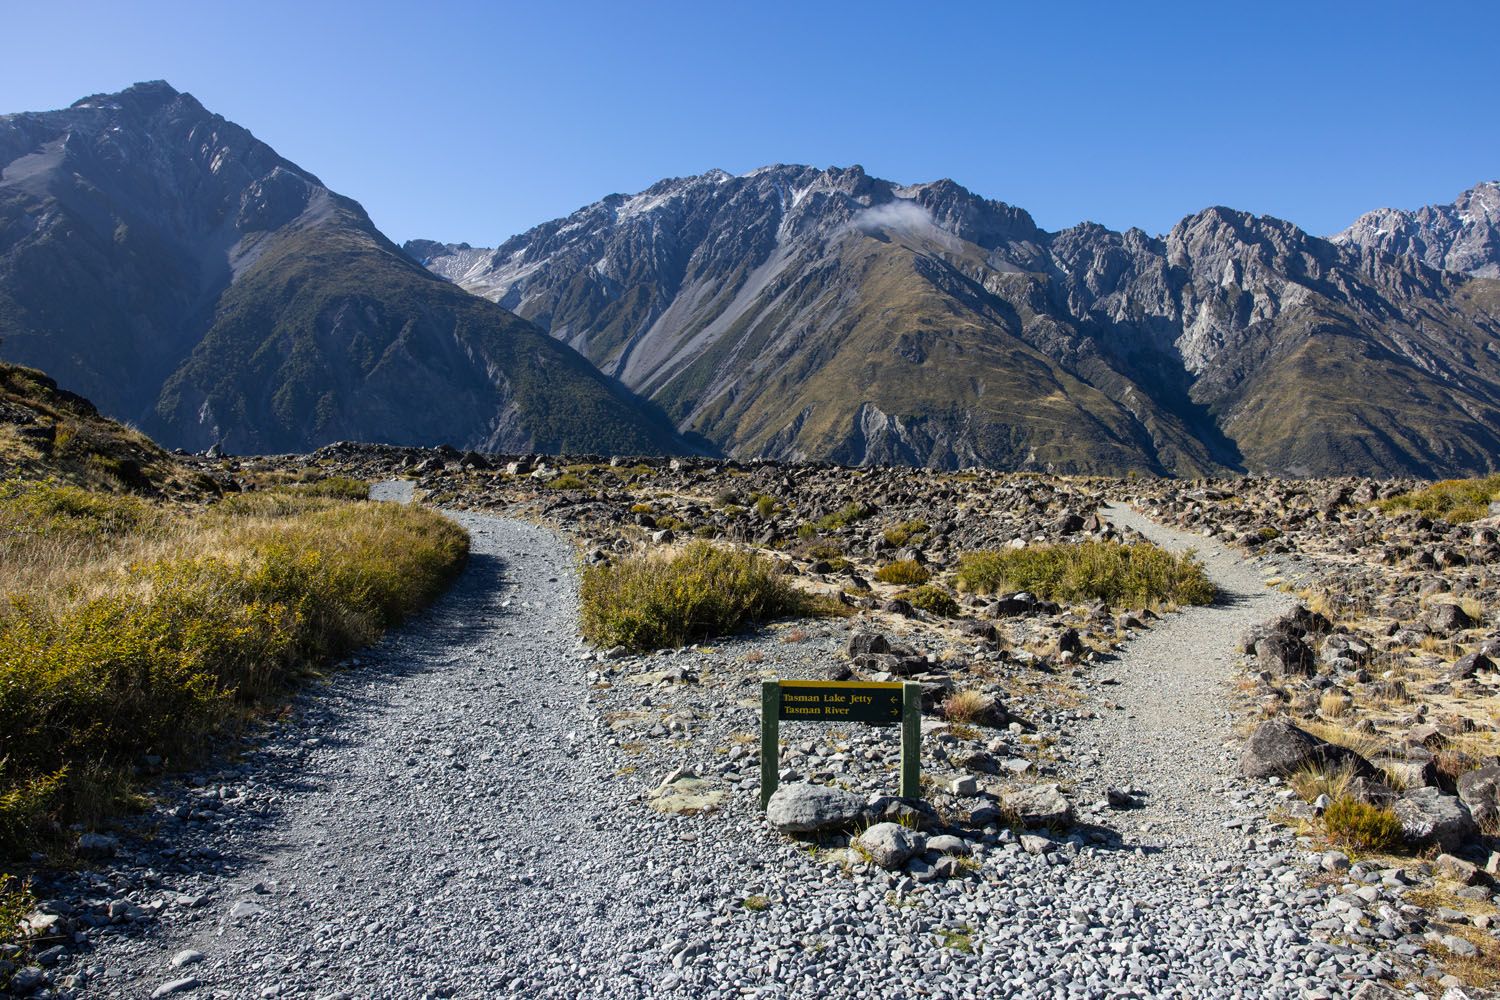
{"x": 1171, "y": 735}
{"x": 460, "y": 813}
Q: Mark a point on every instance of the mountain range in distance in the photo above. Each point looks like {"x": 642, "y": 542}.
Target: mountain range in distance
{"x": 179, "y": 272}
{"x": 801, "y": 313}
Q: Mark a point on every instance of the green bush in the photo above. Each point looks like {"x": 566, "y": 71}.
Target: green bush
{"x": 1118, "y": 574}
{"x": 933, "y": 600}
{"x": 843, "y": 517}
{"x": 666, "y": 601}
{"x": 567, "y": 481}
{"x": 1361, "y": 826}
{"x": 904, "y": 532}
{"x": 907, "y": 572}
{"x": 765, "y": 505}
{"x": 1454, "y": 500}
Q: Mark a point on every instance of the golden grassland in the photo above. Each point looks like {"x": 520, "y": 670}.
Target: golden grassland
{"x": 130, "y": 628}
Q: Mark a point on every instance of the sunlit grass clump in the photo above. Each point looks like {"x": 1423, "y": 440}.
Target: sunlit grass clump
{"x": 906, "y": 572}
{"x": 1138, "y": 574}
{"x": 1454, "y": 500}
{"x": 131, "y": 628}
{"x": 659, "y": 601}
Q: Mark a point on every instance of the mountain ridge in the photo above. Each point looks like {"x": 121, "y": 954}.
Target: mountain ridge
{"x": 1181, "y": 353}
{"x": 164, "y": 262}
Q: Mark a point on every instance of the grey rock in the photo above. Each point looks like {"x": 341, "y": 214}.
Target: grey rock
{"x": 889, "y": 845}
{"x": 1278, "y": 748}
{"x": 175, "y": 986}
{"x": 1039, "y": 805}
{"x": 1428, "y": 816}
{"x": 1480, "y": 791}
{"x": 807, "y": 808}
{"x": 97, "y": 845}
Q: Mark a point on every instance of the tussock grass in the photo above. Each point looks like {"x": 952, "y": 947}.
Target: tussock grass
{"x": 904, "y": 532}
{"x": 1360, "y": 826}
{"x": 969, "y": 707}
{"x": 659, "y": 601}
{"x": 933, "y": 600}
{"x": 129, "y": 628}
{"x": 843, "y": 517}
{"x": 907, "y": 572}
{"x": 1310, "y": 782}
{"x": 1454, "y": 500}
{"x": 1137, "y": 574}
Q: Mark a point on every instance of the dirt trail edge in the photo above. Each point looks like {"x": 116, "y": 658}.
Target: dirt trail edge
{"x": 1171, "y": 735}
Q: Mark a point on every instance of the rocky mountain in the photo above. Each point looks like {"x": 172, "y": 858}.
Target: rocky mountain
{"x": 793, "y": 312}
{"x": 164, "y": 262}
{"x": 1463, "y": 236}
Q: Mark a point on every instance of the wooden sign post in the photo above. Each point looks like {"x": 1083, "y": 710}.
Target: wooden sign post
{"x": 840, "y": 701}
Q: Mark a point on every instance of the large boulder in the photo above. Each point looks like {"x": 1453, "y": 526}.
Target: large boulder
{"x": 1278, "y": 748}
{"x": 890, "y": 845}
{"x": 1285, "y": 655}
{"x": 1428, "y": 816}
{"x": 1449, "y": 618}
{"x": 1039, "y": 805}
{"x": 804, "y": 808}
{"x": 1480, "y": 791}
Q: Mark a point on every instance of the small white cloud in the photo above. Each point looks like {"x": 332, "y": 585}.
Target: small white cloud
{"x": 900, "y": 214}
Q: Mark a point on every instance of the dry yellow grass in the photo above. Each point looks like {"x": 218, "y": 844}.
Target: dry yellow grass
{"x": 968, "y": 707}
{"x": 129, "y": 628}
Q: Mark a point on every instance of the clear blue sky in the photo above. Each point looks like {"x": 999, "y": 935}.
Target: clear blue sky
{"x": 473, "y": 121}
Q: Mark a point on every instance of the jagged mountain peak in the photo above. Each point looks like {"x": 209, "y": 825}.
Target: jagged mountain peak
{"x": 1463, "y": 235}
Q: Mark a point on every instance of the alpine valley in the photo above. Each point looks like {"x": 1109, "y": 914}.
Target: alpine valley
{"x": 180, "y": 273}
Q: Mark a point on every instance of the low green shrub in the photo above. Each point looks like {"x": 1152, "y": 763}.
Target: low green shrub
{"x": 1454, "y": 500}
{"x": 1119, "y": 574}
{"x": 843, "y": 517}
{"x": 904, "y": 532}
{"x": 907, "y": 572}
{"x": 933, "y": 600}
{"x": 567, "y": 481}
{"x": 1361, "y": 826}
{"x": 661, "y": 601}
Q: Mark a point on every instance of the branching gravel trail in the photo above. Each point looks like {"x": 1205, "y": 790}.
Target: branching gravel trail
{"x": 435, "y": 824}
{"x": 1168, "y": 736}
{"x": 450, "y": 818}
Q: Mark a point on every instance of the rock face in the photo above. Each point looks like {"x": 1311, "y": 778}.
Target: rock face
{"x": 807, "y": 808}
{"x": 1279, "y": 748}
{"x": 181, "y": 274}
{"x": 1431, "y": 817}
{"x": 801, "y": 313}
{"x": 1463, "y": 236}
{"x": 1480, "y": 791}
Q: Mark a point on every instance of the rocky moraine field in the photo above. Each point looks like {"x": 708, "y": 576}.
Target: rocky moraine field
{"x": 1234, "y": 738}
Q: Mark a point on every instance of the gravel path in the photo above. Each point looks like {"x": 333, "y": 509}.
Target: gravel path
{"x": 1171, "y": 734}
{"x": 454, "y": 816}
{"x": 434, "y": 822}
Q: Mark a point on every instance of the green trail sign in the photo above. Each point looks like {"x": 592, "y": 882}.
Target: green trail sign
{"x": 840, "y": 701}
